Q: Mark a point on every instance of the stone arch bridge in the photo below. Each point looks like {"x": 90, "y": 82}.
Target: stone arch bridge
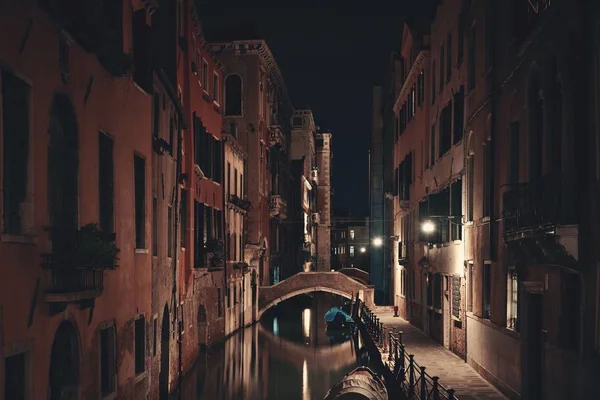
{"x": 307, "y": 282}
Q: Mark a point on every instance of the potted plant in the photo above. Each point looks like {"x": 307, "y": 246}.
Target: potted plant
{"x": 95, "y": 248}
{"x": 215, "y": 248}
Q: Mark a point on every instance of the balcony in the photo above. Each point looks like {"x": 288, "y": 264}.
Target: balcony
{"x": 278, "y": 207}
{"x": 540, "y": 221}
{"x": 277, "y": 136}
{"x": 77, "y": 263}
{"x": 540, "y": 204}
{"x": 242, "y": 204}
{"x": 74, "y": 284}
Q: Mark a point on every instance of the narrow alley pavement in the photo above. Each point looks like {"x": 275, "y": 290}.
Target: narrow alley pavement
{"x": 452, "y": 370}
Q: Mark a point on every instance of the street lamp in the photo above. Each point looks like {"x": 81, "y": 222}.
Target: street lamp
{"x": 363, "y": 249}
{"x": 377, "y": 242}
{"x": 427, "y": 227}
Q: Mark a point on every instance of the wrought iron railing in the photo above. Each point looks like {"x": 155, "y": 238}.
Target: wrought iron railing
{"x": 407, "y": 374}
{"x": 537, "y": 203}
{"x": 76, "y": 280}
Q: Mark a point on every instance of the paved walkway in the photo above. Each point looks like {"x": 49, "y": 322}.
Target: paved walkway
{"x": 452, "y": 370}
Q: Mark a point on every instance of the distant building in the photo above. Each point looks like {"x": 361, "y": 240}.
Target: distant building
{"x": 324, "y": 156}
{"x": 350, "y": 243}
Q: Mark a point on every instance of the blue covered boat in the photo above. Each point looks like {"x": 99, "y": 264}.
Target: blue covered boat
{"x": 336, "y": 318}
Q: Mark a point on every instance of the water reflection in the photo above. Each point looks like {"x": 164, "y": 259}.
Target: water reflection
{"x": 287, "y": 356}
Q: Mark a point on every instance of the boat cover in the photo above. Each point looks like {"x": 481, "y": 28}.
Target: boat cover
{"x": 333, "y": 312}
{"x": 361, "y": 383}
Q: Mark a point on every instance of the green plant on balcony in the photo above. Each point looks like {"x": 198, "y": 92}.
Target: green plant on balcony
{"x": 94, "y": 249}
{"x": 215, "y": 248}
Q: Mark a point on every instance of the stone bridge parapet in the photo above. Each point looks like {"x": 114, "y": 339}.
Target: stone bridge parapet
{"x": 306, "y": 282}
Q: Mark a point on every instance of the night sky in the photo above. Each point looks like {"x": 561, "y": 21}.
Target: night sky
{"x": 330, "y": 59}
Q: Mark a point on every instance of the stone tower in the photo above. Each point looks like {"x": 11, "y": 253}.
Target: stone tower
{"x": 324, "y": 156}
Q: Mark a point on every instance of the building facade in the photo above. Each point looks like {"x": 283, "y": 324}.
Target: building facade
{"x": 258, "y": 112}
{"x": 324, "y": 156}
{"x": 66, "y": 128}
{"x": 304, "y": 193}
{"x": 350, "y": 244}
{"x": 495, "y": 211}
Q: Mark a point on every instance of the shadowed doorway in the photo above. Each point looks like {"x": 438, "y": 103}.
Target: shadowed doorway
{"x": 164, "y": 355}
{"x": 64, "y": 363}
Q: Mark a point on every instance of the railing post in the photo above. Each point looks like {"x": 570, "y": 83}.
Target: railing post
{"x": 400, "y": 336}
{"x": 423, "y": 384}
{"x": 436, "y": 388}
{"x": 411, "y": 375}
{"x": 450, "y": 394}
{"x": 402, "y": 357}
{"x": 391, "y": 349}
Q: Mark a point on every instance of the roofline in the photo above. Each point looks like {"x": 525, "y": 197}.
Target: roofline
{"x": 260, "y": 47}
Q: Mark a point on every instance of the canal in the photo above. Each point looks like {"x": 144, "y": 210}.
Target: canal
{"x": 288, "y": 355}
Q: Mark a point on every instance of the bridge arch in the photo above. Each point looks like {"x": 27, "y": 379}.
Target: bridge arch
{"x": 307, "y": 282}
{"x": 356, "y": 273}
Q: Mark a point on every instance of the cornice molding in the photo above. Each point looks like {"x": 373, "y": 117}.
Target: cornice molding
{"x": 197, "y": 30}
{"x": 411, "y": 78}
{"x": 261, "y": 48}
{"x": 234, "y": 145}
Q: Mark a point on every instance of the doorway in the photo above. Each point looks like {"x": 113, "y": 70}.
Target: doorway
{"x": 532, "y": 341}
{"x": 164, "y": 355}
{"x": 64, "y": 363}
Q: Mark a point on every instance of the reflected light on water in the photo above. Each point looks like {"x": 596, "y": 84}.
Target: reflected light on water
{"x": 306, "y": 323}
{"x": 305, "y": 388}
{"x": 275, "y": 327}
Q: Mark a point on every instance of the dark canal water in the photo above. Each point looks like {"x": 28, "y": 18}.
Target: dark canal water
{"x": 288, "y": 356}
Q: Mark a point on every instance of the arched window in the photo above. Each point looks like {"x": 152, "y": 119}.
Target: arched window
{"x": 233, "y": 95}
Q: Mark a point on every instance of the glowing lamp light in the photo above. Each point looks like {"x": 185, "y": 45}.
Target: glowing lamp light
{"x": 377, "y": 242}
{"x": 363, "y": 249}
{"x": 427, "y": 227}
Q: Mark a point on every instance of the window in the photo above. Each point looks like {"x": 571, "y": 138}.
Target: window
{"x": 486, "y": 290}
{"x": 235, "y": 182}
{"x": 171, "y": 133}
{"x": 140, "y": 345}
{"x": 351, "y": 234}
{"x": 15, "y": 114}
{"x": 432, "y": 146}
{"x": 456, "y": 210}
{"x": 219, "y": 303}
{"x": 154, "y": 225}
{"x": 199, "y": 235}
{"x": 459, "y": 107}
{"x": 487, "y": 178}
{"x": 513, "y": 164}
{"x": 456, "y": 296}
{"x": 169, "y": 231}
{"x": 512, "y": 300}
{"x": 216, "y": 88}
{"x": 413, "y": 95}
{"x": 402, "y": 281}
{"x": 233, "y": 95}
{"x": 421, "y": 88}
{"x": 433, "y": 88}
{"x": 228, "y": 183}
{"x": 16, "y": 382}
{"x": 199, "y": 133}
{"x": 205, "y": 75}
{"x": 108, "y": 364}
{"x": 106, "y": 191}
{"x": 218, "y": 161}
{"x": 155, "y": 115}
{"x": 442, "y": 66}
{"x": 445, "y": 127}
{"x": 470, "y": 186}
{"x": 183, "y": 214}
{"x": 139, "y": 165}
{"x": 351, "y": 251}
{"x": 471, "y": 287}
{"x": 472, "y": 57}
{"x": 461, "y": 37}
{"x": 448, "y": 56}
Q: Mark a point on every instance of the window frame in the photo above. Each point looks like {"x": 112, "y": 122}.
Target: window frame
{"x": 109, "y": 325}
{"x": 216, "y": 88}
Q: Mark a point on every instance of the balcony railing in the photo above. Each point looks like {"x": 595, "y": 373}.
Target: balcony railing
{"x": 278, "y": 207}
{"x": 237, "y": 201}
{"x": 74, "y": 284}
{"x": 276, "y": 136}
{"x": 538, "y": 204}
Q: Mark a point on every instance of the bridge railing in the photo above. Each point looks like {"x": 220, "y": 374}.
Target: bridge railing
{"x": 412, "y": 378}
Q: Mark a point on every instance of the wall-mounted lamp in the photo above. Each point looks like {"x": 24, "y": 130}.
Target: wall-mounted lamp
{"x": 427, "y": 227}
{"x": 377, "y": 242}
{"x": 363, "y": 249}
